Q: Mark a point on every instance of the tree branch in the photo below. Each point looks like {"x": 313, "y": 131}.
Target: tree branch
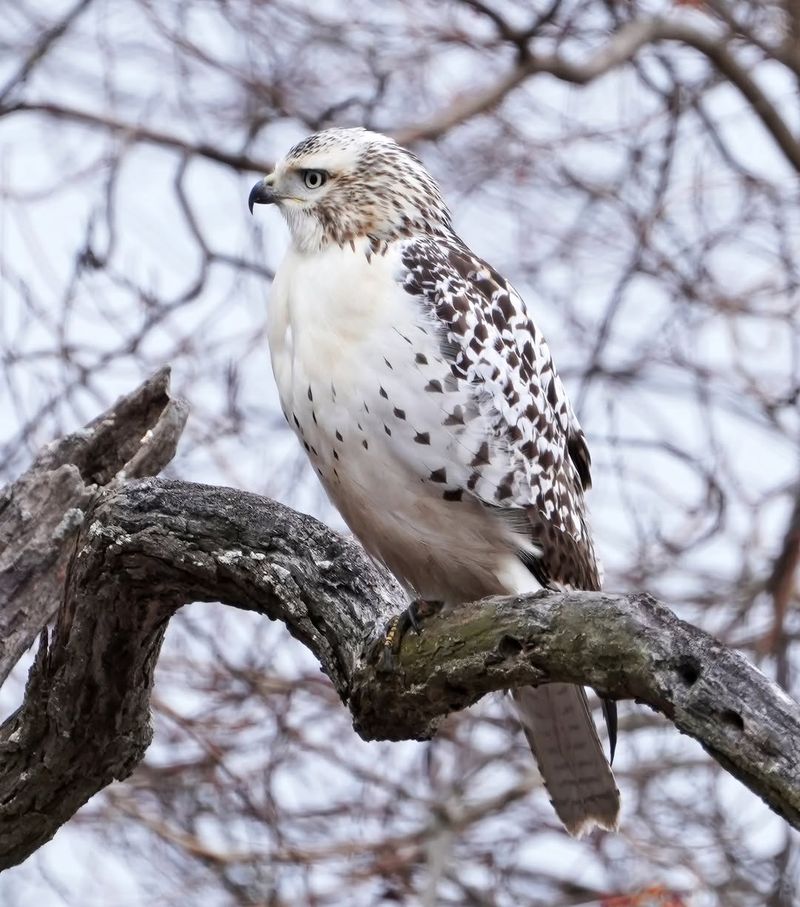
{"x": 620, "y": 49}
{"x": 133, "y": 132}
{"x": 147, "y": 547}
{"x": 41, "y": 512}
{"x": 43, "y": 45}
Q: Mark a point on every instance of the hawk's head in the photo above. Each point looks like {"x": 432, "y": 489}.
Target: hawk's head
{"x": 341, "y": 185}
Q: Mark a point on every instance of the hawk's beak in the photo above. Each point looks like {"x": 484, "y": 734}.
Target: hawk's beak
{"x": 262, "y": 193}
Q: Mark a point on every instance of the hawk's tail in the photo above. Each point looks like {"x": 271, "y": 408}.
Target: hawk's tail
{"x": 576, "y": 773}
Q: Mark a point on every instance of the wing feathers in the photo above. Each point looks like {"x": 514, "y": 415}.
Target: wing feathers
{"x": 522, "y": 447}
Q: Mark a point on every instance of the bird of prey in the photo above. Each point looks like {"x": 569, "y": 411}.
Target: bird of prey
{"x": 427, "y": 400}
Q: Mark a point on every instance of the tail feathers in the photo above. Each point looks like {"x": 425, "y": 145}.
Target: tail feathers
{"x": 562, "y": 735}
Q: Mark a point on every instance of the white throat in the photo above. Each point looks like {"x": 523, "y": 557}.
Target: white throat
{"x": 305, "y": 229}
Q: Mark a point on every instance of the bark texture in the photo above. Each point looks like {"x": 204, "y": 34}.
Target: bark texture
{"x": 116, "y": 555}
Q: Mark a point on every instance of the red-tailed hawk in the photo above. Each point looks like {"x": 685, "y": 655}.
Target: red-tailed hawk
{"x": 427, "y": 401}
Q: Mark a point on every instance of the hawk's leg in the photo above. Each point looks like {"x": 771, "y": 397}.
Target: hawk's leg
{"x": 406, "y": 620}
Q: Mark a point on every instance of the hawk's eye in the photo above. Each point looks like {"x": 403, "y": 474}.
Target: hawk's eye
{"x": 313, "y": 179}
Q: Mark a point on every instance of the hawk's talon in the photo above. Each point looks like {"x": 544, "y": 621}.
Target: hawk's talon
{"x": 387, "y": 660}
{"x": 411, "y": 618}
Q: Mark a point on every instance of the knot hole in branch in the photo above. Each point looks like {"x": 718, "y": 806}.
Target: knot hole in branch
{"x": 733, "y": 718}
{"x": 508, "y": 647}
{"x": 688, "y": 669}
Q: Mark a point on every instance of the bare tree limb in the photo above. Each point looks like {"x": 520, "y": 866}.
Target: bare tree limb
{"x": 40, "y": 513}
{"x": 781, "y": 585}
{"x": 620, "y": 49}
{"x": 147, "y": 547}
{"x": 40, "y": 49}
{"x": 133, "y": 132}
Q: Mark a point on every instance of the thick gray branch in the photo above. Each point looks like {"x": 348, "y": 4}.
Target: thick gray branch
{"x": 147, "y": 547}
{"x": 41, "y": 512}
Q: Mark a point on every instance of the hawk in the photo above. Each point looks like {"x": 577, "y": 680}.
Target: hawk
{"x": 427, "y": 401}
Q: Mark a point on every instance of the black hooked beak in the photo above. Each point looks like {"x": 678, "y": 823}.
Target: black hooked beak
{"x": 262, "y": 194}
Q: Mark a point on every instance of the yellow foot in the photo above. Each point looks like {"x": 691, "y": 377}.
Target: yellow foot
{"x": 412, "y": 619}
